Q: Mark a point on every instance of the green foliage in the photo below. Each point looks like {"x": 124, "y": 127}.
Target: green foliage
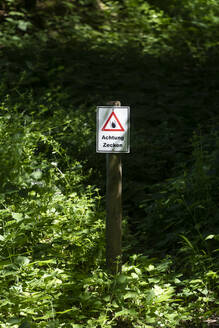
{"x": 49, "y": 225}
{"x": 157, "y": 28}
{"x": 57, "y": 63}
{"x": 186, "y": 206}
{"x": 52, "y": 240}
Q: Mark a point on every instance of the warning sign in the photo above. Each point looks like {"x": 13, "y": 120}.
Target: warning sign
{"x": 112, "y": 124}
{"x": 113, "y": 129}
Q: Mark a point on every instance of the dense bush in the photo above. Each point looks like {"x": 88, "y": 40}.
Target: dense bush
{"x": 49, "y": 221}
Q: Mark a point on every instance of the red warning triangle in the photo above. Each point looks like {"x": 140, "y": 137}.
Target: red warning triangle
{"x": 113, "y": 124}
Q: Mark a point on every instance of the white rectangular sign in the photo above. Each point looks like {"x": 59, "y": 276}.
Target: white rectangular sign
{"x": 113, "y": 129}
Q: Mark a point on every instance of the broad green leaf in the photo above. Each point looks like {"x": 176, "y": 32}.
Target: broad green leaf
{"x": 130, "y": 294}
{"x": 122, "y": 278}
{"x": 17, "y": 216}
{"x": 23, "y": 25}
{"x": 134, "y": 275}
{"x": 210, "y": 237}
{"x": 37, "y": 175}
{"x": 22, "y": 260}
{"x": 150, "y": 267}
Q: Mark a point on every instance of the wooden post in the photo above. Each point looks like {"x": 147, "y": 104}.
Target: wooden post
{"x": 114, "y": 209}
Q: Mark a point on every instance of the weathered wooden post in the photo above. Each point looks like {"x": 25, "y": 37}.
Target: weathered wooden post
{"x": 113, "y": 212}
{"x": 114, "y": 208}
{"x": 113, "y": 139}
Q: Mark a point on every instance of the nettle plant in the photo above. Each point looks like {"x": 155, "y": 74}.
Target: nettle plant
{"x": 49, "y": 223}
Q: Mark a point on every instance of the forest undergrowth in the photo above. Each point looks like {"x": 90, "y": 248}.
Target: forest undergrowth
{"x": 57, "y": 64}
{"x": 52, "y": 237}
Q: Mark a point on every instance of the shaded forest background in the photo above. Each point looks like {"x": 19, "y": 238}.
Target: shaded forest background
{"x": 58, "y": 61}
